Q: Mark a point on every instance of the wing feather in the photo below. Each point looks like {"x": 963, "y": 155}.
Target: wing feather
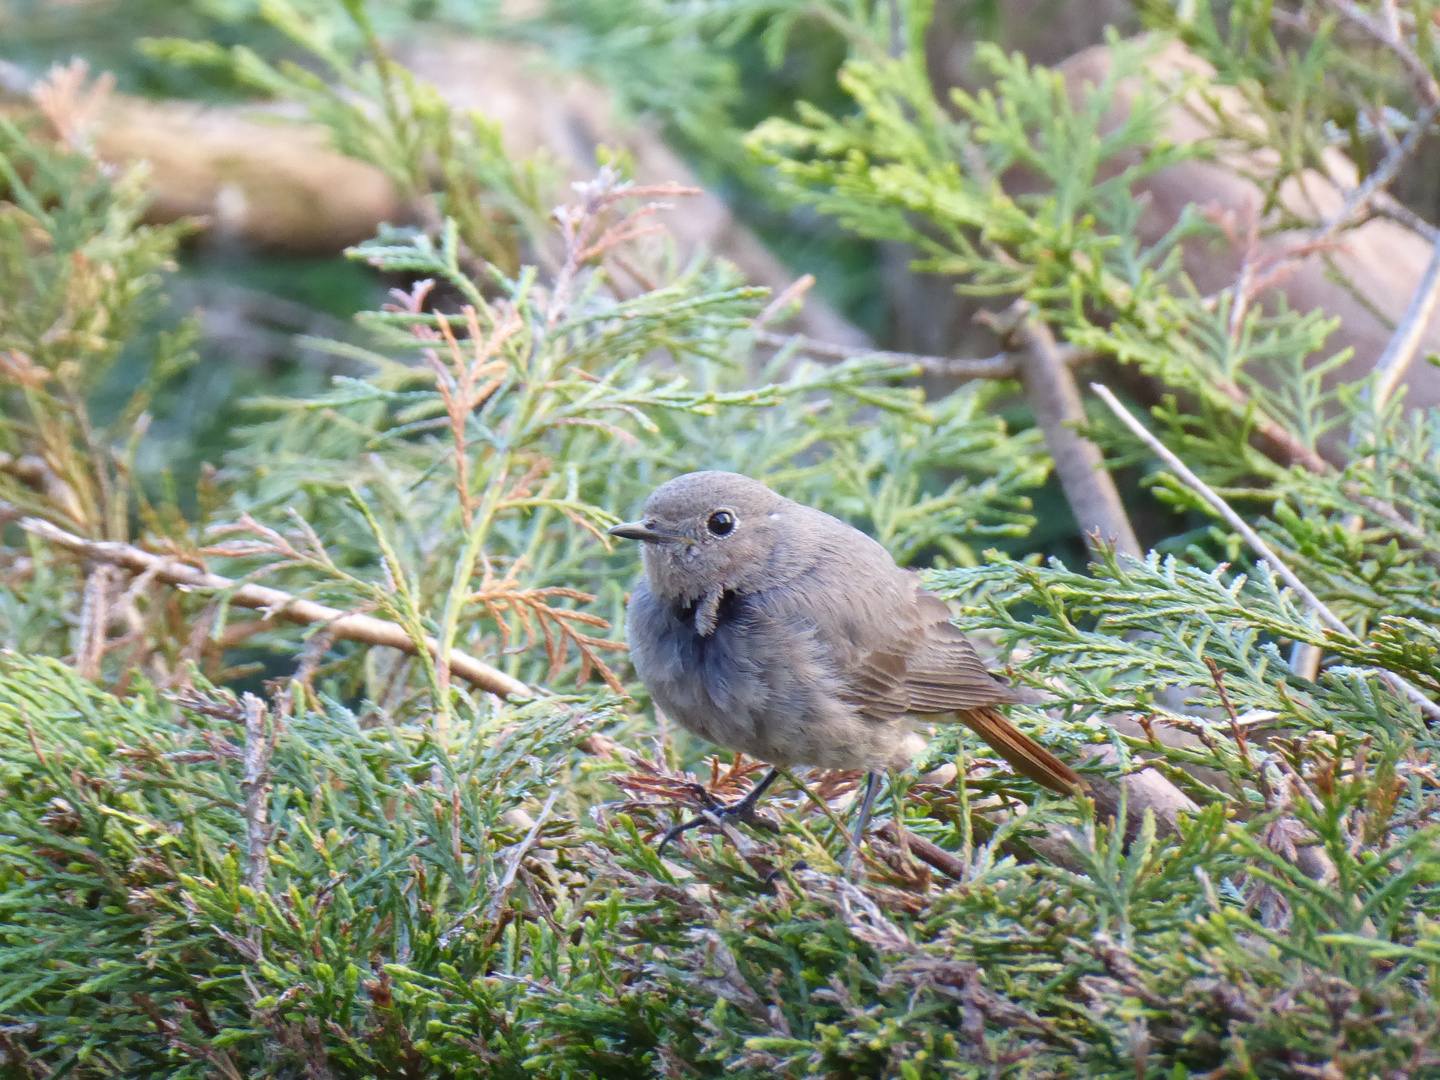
{"x": 920, "y": 663}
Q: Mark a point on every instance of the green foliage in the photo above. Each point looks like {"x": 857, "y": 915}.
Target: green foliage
{"x": 401, "y": 920}
{"x": 902, "y": 168}
{"x": 79, "y": 277}
{"x": 376, "y": 869}
{"x": 325, "y": 947}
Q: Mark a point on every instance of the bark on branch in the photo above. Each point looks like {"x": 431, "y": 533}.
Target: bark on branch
{"x": 277, "y": 604}
{"x": 1052, "y": 392}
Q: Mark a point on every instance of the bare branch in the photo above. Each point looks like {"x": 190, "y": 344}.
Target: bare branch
{"x": 277, "y": 603}
{"x": 1089, "y": 488}
{"x": 1387, "y": 206}
{"x": 1371, "y": 194}
{"x": 923, "y": 849}
{"x": 1241, "y": 526}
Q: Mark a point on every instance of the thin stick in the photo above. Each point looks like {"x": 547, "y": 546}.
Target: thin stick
{"x": 277, "y": 603}
{"x": 1236, "y": 522}
{"x": 512, "y": 863}
{"x": 1089, "y": 488}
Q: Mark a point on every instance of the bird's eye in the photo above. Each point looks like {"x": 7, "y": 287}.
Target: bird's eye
{"x": 721, "y": 522}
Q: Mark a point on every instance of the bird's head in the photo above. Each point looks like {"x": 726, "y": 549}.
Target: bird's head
{"x": 706, "y": 533}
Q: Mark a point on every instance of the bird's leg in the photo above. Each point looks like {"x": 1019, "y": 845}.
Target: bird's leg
{"x": 743, "y": 810}
{"x": 872, "y": 788}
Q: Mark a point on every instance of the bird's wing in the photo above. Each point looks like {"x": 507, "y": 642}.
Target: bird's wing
{"x": 921, "y": 663}
{"x": 945, "y": 673}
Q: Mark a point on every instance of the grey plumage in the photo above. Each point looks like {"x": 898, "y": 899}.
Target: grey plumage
{"x": 774, "y": 629}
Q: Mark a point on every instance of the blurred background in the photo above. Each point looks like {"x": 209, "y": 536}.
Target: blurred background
{"x": 671, "y": 89}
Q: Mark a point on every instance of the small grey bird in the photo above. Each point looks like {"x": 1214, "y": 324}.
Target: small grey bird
{"x": 774, "y": 629}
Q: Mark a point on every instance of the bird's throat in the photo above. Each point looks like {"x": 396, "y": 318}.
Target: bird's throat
{"x": 711, "y": 610}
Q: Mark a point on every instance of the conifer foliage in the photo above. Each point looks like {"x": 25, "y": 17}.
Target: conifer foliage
{"x": 335, "y": 767}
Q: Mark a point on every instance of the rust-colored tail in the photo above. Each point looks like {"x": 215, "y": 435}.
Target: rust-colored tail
{"x": 1025, "y": 755}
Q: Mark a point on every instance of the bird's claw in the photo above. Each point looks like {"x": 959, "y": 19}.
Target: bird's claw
{"x": 717, "y": 814}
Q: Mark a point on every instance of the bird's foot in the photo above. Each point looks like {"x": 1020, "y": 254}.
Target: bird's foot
{"x": 719, "y": 814}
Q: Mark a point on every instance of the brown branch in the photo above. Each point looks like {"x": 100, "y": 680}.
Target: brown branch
{"x": 927, "y": 852}
{"x": 1054, "y": 395}
{"x": 277, "y": 603}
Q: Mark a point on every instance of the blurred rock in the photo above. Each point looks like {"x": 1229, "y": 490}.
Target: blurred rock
{"x": 262, "y": 179}
{"x": 1382, "y": 260}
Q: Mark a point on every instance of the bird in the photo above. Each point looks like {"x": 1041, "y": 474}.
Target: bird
{"x": 773, "y": 629}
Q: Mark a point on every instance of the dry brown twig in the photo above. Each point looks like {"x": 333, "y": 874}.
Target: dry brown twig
{"x": 72, "y": 109}
{"x": 542, "y": 622}
{"x": 588, "y": 239}
{"x": 277, "y": 604}
{"x": 927, "y": 852}
{"x": 467, "y": 382}
{"x": 1237, "y": 730}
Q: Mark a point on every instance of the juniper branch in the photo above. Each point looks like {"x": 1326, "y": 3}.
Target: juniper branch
{"x": 1240, "y": 525}
{"x": 277, "y": 603}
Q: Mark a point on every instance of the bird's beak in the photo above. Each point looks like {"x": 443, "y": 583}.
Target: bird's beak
{"x": 639, "y": 530}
